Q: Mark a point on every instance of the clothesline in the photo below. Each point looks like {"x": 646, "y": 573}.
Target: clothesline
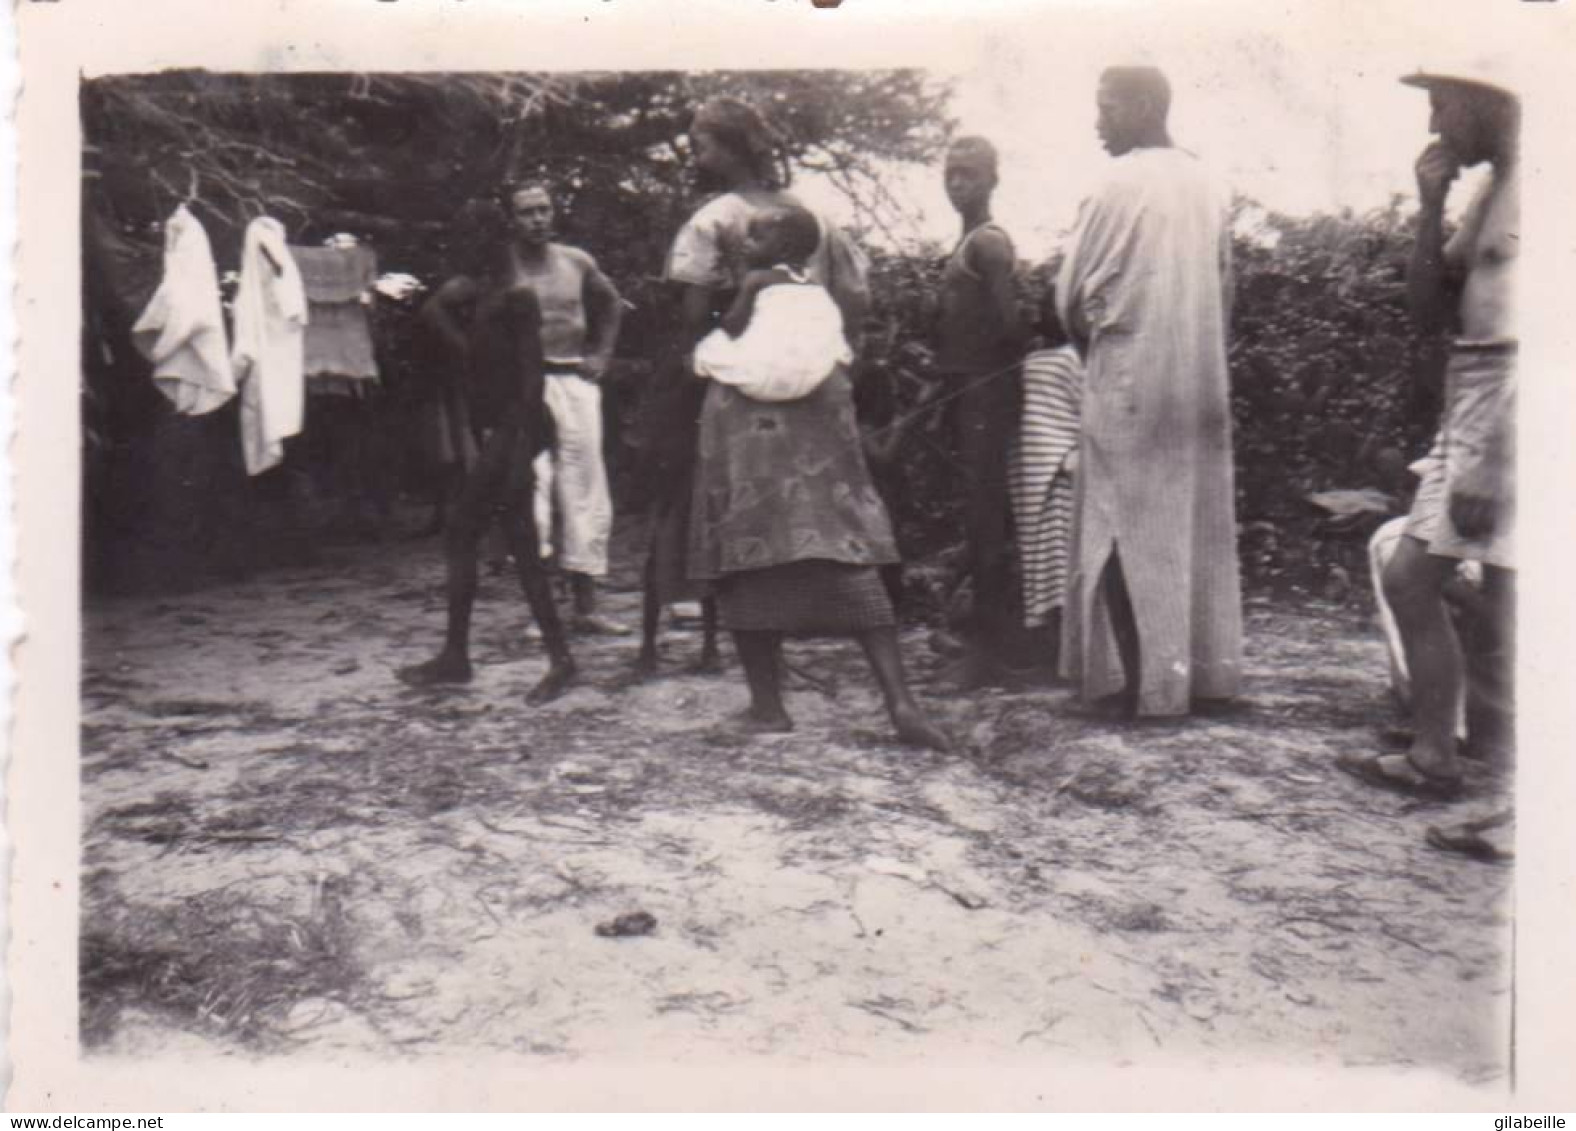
{"x": 274, "y": 346}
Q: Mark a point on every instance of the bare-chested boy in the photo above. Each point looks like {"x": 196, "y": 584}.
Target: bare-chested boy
{"x": 981, "y": 340}
{"x": 492, "y": 321}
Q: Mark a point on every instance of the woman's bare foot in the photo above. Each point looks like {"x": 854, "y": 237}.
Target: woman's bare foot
{"x": 913, "y": 729}
{"x": 558, "y": 679}
{"x": 445, "y": 667}
{"x": 645, "y": 666}
{"x": 754, "y": 721}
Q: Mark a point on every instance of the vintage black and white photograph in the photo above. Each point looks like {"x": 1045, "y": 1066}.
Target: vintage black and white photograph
{"x": 1015, "y": 557}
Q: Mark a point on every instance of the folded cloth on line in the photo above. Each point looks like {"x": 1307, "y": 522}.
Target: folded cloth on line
{"x": 338, "y": 283}
{"x": 334, "y": 274}
{"x": 181, "y": 331}
{"x": 793, "y": 343}
{"x": 270, "y": 318}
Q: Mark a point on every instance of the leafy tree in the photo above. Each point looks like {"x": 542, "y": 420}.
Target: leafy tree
{"x": 394, "y": 158}
{"x": 394, "y": 155}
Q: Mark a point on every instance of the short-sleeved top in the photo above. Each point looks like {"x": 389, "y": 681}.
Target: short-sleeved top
{"x": 774, "y": 482}
{"x": 709, "y": 249}
{"x": 1486, "y": 248}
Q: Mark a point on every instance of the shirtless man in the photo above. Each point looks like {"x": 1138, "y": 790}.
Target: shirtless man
{"x": 581, "y": 312}
{"x": 1465, "y": 506}
{"x": 981, "y": 341}
{"x": 492, "y": 332}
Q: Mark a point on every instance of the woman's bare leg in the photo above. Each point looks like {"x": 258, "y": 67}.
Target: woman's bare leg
{"x": 886, "y": 661}
{"x": 650, "y": 620}
{"x": 710, "y": 658}
{"x": 760, "y": 653}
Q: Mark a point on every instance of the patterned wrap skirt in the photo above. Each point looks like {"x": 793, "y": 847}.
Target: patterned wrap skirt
{"x": 785, "y": 518}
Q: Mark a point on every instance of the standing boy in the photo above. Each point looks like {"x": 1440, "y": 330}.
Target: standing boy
{"x": 981, "y": 340}
{"x": 493, "y": 332}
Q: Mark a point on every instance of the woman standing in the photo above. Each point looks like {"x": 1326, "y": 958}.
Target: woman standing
{"x": 785, "y": 521}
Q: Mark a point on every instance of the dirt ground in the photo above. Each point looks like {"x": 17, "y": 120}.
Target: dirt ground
{"x": 286, "y": 852}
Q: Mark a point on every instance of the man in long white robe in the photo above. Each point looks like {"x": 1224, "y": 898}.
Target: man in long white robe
{"x": 1154, "y": 608}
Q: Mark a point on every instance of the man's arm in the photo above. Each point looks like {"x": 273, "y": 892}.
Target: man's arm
{"x": 1429, "y": 277}
{"x": 1069, "y": 303}
{"x": 523, "y": 314}
{"x": 604, "y": 315}
{"x": 990, "y": 256}
{"x": 441, "y": 313}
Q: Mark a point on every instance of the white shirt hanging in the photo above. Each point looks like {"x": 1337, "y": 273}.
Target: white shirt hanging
{"x": 269, "y": 358}
{"x": 181, "y": 331}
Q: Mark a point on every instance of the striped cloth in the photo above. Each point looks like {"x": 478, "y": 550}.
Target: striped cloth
{"x": 1042, "y": 489}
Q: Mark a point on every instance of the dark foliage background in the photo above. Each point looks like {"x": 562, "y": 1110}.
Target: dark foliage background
{"x": 1333, "y": 390}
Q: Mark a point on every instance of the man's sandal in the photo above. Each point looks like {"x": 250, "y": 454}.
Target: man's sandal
{"x": 1468, "y": 838}
{"x": 1399, "y": 774}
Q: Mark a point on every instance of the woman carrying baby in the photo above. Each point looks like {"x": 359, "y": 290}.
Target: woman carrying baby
{"x": 785, "y": 521}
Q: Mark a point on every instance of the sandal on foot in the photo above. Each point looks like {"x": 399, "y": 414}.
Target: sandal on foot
{"x": 1399, "y": 774}
{"x": 1467, "y": 839}
{"x": 1402, "y": 737}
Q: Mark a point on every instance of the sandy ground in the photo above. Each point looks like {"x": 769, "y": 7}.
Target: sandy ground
{"x": 286, "y": 852}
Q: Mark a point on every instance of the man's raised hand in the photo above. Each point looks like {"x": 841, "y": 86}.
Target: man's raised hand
{"x": 1437, "y": 169}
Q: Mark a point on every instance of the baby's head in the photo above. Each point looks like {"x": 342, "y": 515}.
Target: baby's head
{"x": 785, "y": 234}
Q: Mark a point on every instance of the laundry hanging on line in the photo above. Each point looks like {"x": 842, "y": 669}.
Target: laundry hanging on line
{"x": 181, "y": 331}
{"x": 268, "y": 356}
{"x": 338, "y": 279}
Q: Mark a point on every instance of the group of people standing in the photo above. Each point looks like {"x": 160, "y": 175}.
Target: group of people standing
{"x": 1102, "y": 460}
{"x": 1151, "y": 605}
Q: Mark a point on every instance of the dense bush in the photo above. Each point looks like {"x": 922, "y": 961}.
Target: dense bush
{"x": 1333, "y": 388}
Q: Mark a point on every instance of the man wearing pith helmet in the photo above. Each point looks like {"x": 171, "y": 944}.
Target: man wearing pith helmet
{"x": 1465, "y": 504}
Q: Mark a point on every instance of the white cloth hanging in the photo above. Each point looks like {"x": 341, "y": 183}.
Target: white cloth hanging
{"x": 181, "y": 331}
{"x": 269, "y": 355}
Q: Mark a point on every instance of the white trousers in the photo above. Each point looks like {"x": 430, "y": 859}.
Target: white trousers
{"x": 573, "y": 476}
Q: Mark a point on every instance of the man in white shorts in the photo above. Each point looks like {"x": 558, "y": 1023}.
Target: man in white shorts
{"x": 581, "y": 311}
{"x": 1465, "y": 505}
